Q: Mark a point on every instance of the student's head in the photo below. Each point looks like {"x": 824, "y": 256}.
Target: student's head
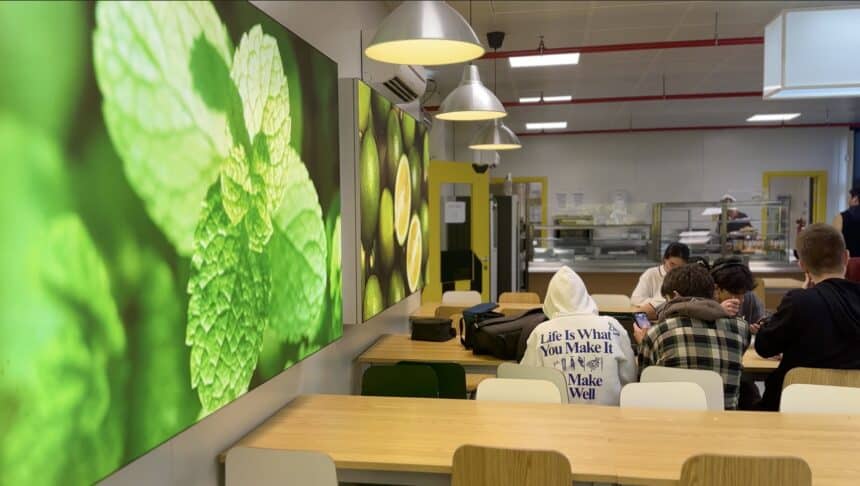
{"x": 732, "y": 278}
{"x": 676, "y": 254}
{"x": 854, "y": 197}
{"x": 821, "y": 250}
{"x": 566, "y": 295}
{"x": 689, "y": 280}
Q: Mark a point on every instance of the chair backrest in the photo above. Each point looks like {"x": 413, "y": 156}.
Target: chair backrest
{"x": 676, "y": 395}
{"x": 451, "y": 376}
{"x": 799, "y": 398}
{"x": 822, "y": 376}
{"x": 400, "y": 381}
{"x": 489, "y": 466}
{"x": 518, "y": 390}
{"x": 716, "y": 470}
{"x": 760, "y": 290}
{"x": 519, "y": 372}
{"x": 519, "y": 298}
{"x": 448, "y": 311}
{"x": 710, "y": 381}
{"x": 605, "y": 301}
{"x": 852, "y": 272}
{"x": 461, "y": 297}
{"x": 270, "y": 467}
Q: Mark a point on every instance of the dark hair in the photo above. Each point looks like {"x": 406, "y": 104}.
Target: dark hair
{"x": 733, "y": 275}
{"x": 821, "y": 249}
{"x": 676, "y": 249}
{"x": 691, "y": 280}
{"x": 855, "y": 192}
{"x": 701, "y": 261}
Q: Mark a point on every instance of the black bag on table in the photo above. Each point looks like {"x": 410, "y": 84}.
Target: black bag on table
{"x": 505, "y": 337}
{"x": 471, "y": 316}
{"x": 431, "y": 329}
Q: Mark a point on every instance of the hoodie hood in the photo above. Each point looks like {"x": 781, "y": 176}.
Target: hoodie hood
{"x": 693, "y": 307}
{"x": 843, "y": 299}
{"x": 566, "y": 295}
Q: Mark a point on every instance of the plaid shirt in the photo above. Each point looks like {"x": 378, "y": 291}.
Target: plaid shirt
{"x": 684, "y": 342}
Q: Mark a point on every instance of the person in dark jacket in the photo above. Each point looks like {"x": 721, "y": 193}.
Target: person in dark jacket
{"x": 848, "y": 222}
{"x": 817, "y": 326}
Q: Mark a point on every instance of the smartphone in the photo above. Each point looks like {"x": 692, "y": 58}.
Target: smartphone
{"x": 641, "y": 319}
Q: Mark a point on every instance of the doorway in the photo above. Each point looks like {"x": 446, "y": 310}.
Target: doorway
{"x": 806, "y": 192}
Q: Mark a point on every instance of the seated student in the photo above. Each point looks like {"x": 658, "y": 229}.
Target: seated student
{"x": 695, "y": 332}
{"x": 734, "y": 289}
{"x": 817, "y": 326}
{"x": 646, "y": 296}
{"x": 593, "y": 352}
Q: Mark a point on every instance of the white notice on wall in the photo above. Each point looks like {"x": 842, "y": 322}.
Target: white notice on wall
{"x": 455, "y": 212}
{"x": 561, "y": 200}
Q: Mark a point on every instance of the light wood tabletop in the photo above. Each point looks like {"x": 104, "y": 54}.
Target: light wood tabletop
{"x": 782, "y": 283}
{"x": 606, "y": 444}
{"x": 428, "y": 309}
{"x": 753, "y": 363}
{"x": 393, "y": 348}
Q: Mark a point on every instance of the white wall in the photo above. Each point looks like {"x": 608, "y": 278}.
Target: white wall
{"x": 190, "y": 458}
{"x": 679, "y": 165}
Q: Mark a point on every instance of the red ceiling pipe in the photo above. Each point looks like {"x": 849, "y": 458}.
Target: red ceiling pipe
{"x": 684, "y": 129}
{"x": 637, "y": 46}
{"x": 626, "y": 99}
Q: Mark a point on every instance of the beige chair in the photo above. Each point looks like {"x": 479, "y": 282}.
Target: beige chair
{"x": 800, "y": 398}
{"x": 461, "y": 297}
{"x": 606, "y": 302}
{"x": 520, "y": 372}
{"x": 677, "y": 396}
{"x": 489, "y": 466}
{"x": 760, "y": 291}
{"x": 710, "y": 381}
{"x": 448, "y": 311}
{"x": 518, "y": 390}
{"x": 822, "y": 376}
{"x": 714, "y": 470}
{"x": 519, "y": 298}
{"x": 268, "y": 467}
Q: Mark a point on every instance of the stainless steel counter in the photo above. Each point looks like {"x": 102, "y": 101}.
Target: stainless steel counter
{"x": 592, "y": 266}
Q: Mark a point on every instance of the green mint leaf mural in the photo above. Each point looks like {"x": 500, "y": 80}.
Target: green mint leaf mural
{"x": 252, "y": 182}
{"x": 298, "y": 255}
{"x": 171, "y": 142}
{"x": 228, "y": 308}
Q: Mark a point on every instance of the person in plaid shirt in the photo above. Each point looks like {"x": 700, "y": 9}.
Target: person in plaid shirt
{"x": 695, "y": 332}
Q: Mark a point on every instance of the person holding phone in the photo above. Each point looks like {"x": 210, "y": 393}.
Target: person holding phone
{"x": 646, "y": 296}
{"x": 694, "y": 331}
{"x": 734, "y": 285}
{"x": 817, "y": 326}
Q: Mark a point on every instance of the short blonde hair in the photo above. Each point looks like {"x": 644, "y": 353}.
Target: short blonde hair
{"x": 821, "y": 248}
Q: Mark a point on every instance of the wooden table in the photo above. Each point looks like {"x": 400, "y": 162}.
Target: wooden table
{"x": 756, "y": 365}
{"x": 428, "y": 309}
{"x": 782, "y": 283}
{"x": 416, "y": 438}
{"x": 393, "y": 348}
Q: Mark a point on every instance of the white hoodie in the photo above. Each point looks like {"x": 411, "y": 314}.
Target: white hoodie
{"x": 593, "y": 352}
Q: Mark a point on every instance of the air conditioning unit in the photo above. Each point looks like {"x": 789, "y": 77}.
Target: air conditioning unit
{"x": 398, "y": 82}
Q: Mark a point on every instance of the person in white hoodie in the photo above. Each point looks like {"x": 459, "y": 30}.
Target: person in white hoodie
{"x": 593, "y": 352}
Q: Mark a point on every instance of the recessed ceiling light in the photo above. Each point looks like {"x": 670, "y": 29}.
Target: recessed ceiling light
{"x": 544, "y": 60}
{"x": 549, "y": 99}
{"x": 770, "y": 117}
{"x": 530, "y": 99}
{"x": 546, "y": 125}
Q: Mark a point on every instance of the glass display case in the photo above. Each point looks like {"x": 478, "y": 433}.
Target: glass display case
{"x": 756, "y": 230}
{"x": 575, "y": 240}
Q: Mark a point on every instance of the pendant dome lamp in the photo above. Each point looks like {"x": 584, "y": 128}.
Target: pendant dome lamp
{"x": 426, "y": 33}
{"x": 494, "y": 135}
{"x": 471, "y": 100}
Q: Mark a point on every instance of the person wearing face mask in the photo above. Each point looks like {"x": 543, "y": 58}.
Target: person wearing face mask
{"x": 593, "y": 352}
{"x": 646, "y": 296}
{"x": 848, "y": 223}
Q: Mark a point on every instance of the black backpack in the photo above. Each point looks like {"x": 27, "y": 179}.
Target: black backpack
{"x": 472, "y": 316}
{"x": 505, "y": 337}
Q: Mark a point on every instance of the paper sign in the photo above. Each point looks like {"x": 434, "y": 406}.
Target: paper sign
{"x": 455, "y": 212}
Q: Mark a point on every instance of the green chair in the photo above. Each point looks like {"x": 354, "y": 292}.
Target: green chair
{"x": 400, "y": 381}
{"x": 451, "y": 376}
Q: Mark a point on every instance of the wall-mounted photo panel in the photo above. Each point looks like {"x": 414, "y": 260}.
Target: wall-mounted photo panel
{"x": 169, "y": 198}
{"x": 393, "y": 165}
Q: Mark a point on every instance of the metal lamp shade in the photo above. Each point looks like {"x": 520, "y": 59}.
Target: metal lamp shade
{"x": 426, "y": 33}
{"x": 471, "y": 100}
{"x": 494, "y": 135}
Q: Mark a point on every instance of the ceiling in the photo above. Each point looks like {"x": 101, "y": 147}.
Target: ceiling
{"x": 635, "y": 73}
